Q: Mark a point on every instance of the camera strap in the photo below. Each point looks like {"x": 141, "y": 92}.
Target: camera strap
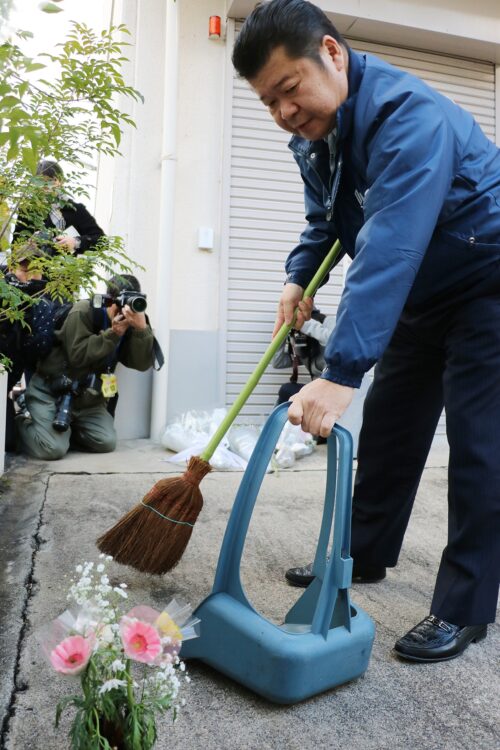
{"x": 158, "y": 358}
{"x": 297, "y": 360}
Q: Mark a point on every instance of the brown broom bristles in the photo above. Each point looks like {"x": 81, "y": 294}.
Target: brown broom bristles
{"x": 146, "y": 541}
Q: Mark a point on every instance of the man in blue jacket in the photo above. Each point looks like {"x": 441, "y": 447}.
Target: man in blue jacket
{"x": 410, "y": 185}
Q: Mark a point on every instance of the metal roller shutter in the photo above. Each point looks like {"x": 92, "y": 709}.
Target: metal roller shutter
{"x": 266, "y": 213}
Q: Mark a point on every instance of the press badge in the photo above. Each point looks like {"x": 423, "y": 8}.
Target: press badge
{"x": 109, "y": 386}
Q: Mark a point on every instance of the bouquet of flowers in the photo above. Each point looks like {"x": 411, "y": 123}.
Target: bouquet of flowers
{"x": 127, "y": 661}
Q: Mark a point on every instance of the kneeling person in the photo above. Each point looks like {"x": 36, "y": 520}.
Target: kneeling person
{"x": 68, "y": 395}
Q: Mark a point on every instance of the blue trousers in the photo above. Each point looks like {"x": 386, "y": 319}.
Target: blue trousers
{"x": 444, "y": 353}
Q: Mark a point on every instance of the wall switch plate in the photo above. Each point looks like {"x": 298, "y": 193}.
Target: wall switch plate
{"x": 206, "y": 238}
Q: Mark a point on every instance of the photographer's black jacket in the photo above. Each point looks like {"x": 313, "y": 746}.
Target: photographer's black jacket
{"x": 75, "y": 215}
{"x": 24, "y": 344}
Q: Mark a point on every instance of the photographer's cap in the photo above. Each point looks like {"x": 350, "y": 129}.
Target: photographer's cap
{"x": 28, "y": 251}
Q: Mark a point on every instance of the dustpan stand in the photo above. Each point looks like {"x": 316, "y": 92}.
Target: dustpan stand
{"x": 325, "y": 641}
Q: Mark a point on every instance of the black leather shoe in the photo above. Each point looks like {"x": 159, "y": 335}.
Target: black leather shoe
{"x": 437, "y": 640}
{"x": 302, "y": 577}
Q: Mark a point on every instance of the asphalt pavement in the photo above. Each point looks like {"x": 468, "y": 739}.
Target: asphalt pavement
{"x": 50, "y": 516}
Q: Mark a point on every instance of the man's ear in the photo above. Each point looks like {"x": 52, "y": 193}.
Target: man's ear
{"x": 334, "y": 50}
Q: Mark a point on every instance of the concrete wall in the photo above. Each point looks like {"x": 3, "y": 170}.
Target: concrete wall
{"x": 193, "y": 354}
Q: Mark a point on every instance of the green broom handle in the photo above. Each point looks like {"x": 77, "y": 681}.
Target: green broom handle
{"x": 267, "y": 357}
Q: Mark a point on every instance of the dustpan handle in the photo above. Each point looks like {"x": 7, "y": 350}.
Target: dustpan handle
{"x": 338, "y": 573}
{"x": 227, "y": 577}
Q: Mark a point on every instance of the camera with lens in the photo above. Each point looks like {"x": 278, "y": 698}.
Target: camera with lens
{"x": 301, "y": 345}
{"x": 65, "y": 389}
{"x": 135, "y": 300}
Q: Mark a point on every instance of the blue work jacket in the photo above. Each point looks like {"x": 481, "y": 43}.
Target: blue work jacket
{"x": 415, "y": 202}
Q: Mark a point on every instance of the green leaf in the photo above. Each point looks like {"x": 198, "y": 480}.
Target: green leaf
{"x": 9, "y": 101}
{"x": 117, "y": 133}
{"x": 30, "y": 160}
{"x": 50, "y": 8}
{"x": 13, "y": 152}
{"x": 23, "y": 88}
{"x": 34, "y": 66}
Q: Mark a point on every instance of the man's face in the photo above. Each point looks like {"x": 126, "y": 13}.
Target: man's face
{"x": 302, "y": 95}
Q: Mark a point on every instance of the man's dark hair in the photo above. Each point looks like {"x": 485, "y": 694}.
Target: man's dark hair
{"x": 296, "y": 25}
{"x": 122, "y": 282}
{"x": 50, "y": 169}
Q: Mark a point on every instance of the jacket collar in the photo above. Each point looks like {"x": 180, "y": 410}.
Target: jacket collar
{"x": 357, "y": 64}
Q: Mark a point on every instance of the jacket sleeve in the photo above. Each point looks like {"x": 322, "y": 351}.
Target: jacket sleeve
{"x": 315, "y": 241}
{"x": 84, "y": 348}
{"x": 319, "y": 331}
{"x": 410, "y": 169}
{"x": 87, "y": 227}
{"x": 136, "y": 351}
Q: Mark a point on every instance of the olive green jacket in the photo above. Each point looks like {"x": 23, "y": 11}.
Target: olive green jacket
{"x": 80, "y": 351}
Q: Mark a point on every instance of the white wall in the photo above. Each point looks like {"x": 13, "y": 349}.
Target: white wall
{"x": 195, "y": 273}
{"x": 129, "y": 187}
{"x": 461, "y": 27}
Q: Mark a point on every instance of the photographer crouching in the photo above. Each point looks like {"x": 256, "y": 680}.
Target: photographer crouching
{"x": 69, "y": 395}
{"x": 25, "y": 342}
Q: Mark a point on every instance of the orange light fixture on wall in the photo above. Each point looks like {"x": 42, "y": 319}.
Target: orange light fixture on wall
{"x": 214, "y": 27}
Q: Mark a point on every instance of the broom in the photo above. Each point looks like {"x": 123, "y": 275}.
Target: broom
{"x": 154, "y": 534}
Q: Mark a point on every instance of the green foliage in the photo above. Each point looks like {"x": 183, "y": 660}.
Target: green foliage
{"x": 71, "y": 117}
{"x": 133, "y": 716}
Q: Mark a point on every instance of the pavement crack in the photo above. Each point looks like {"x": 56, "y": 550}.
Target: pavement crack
{"x": 30, "y": 583}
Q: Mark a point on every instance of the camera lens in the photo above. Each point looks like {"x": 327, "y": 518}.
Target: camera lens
{"x": 137, "y": 303}
{"x": 62, "y": 420}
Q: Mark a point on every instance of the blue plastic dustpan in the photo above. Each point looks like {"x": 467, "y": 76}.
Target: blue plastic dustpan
{"x": 325, "y": 640}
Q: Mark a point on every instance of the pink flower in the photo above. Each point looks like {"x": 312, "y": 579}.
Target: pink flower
{"x": 72, "y": 655}
{"x": 141, "y": 640}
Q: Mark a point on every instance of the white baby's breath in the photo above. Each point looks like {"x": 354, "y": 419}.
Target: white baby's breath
{"x": 101, "y": 611}
{"x": 111, "y": 685}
